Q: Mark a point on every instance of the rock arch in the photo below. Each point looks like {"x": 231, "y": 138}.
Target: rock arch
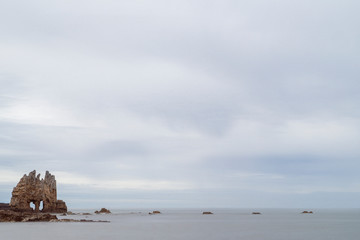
{"x": 32, "y": 189}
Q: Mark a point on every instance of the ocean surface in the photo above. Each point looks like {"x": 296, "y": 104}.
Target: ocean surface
{"x": 188, "y": 224}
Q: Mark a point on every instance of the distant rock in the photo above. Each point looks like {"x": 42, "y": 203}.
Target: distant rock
{"x": 308, "y": 212}
{"x": 4, "y": 206}
{"x": 207, "y": 213}
{"x": 154, "y": 212}
{"x": 256, "y": 213}
{"x": 103, "y": 210}
{"x": 76, "y": 220}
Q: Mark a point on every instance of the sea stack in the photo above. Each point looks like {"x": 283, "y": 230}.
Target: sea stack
{"x": 32, "y": 189}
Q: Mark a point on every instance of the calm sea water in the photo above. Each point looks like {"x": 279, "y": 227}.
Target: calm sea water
{"x": 239, "y": 224}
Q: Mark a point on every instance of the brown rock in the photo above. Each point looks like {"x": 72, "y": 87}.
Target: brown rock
{"x": 4, "y": 206}
{"x": 207, "y": 213}
{"x": 307, "y": 212}
{"x": 32, "y": 189}
{"x": 256, "y": 213}
{"x": 12, "y": 216}
{"x": 103, "y": 210}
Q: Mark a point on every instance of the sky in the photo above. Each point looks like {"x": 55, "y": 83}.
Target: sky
{"x": 181, "y": 104}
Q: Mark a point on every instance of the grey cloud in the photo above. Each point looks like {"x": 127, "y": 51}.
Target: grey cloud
{"x": 193, "y": 71}
{"x": 119, "y": 148}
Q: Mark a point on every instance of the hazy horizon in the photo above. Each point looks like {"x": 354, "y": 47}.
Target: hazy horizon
{"x": 183, "y": 104}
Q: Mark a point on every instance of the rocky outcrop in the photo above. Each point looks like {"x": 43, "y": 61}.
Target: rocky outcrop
{"x": 207, "y": 213}
{"x": 4, "y": 206}
{"x": 81, "y": 220}
{"x": 12, "y": 216}
{"x": 103, "y": 210}
{"x": 154, "y": 212}
{"x": 32, "y": 189}
{"x": 308, "y": 212}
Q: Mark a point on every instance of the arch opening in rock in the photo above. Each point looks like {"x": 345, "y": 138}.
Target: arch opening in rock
{"x": 32, "y": 206}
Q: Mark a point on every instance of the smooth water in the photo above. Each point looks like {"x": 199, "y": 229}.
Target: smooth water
{"x": 240, "y": 224}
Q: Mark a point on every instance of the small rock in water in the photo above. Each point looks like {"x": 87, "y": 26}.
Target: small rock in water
{"x": 154, "y": 212}
{"x": 256, "y": 213}
{"x": 77, "y": 220}
{"x": 207, "y": 213}
{"x": 71, "y": 213}
{"x": 103, "y": 210}
{"x": 307, "y": 212}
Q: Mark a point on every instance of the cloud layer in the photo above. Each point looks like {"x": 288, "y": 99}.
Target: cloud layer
{"x": 172, "y": 103}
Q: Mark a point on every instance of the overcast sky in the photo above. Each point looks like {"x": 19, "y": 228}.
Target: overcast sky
{"x": 183, "y": 103}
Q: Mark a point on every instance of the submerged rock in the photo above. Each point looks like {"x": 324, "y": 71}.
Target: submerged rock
{"x": 71, "y": 213}
{"x": 81, "y": 220}
{"x": 256, "y": 213}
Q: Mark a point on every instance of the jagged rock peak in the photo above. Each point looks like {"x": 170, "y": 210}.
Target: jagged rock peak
{"x": 32, "y": 189}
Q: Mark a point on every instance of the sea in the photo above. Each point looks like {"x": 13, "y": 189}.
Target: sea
{"x": 191, "y": 224}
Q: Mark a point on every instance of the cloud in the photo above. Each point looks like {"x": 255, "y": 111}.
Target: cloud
{"x": 203, "y": 97}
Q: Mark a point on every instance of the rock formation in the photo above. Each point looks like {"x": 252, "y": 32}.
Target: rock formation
{"x": 4, "y": 206}
{"x": 207, "y": 213}
{"x": 32, "y": 189}
{"x": 307, "y": 212}
{"x": 154, "y": 212}
{"x": 11, "y": 216}
{"x": 103, "y": 210}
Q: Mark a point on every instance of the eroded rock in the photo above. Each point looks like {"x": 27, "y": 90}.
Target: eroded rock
{"x": 12, "y": 216}
{"x": 32, "y": 189}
